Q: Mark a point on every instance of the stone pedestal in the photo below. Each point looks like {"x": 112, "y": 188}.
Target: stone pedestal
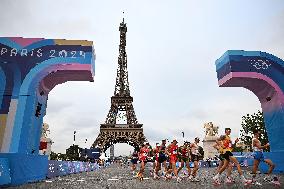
{"x": 48, "y": 149}
{"x": 209, "y": 151}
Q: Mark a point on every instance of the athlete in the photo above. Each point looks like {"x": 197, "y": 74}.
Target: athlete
{"x": 172, "y": 151}
{"x": 162, "y": 158}
{"x": 155, "y": 158}
{"x": 134, "y": 160}
{"x": 218, "y": 146}
{"x": 259, "y": 157}
{"x": 150, "y": 157}
{"x": 183, "y": 156}
{"x": 143, "y": 157}
{"x": 195, "y": 159}
{"x": 229, "y": 157}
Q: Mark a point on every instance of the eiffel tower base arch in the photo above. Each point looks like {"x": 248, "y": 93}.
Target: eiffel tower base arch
{"x": 109, "y": 136}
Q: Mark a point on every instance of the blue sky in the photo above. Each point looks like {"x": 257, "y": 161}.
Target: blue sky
{"x": 171, "y": 46}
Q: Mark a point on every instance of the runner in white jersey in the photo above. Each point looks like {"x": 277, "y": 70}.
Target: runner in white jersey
{"x": 259, "y": 157}
{"x": 194, "y": 158}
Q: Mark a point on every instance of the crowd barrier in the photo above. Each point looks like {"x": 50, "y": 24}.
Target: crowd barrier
{"x": 61, "y": 168}
{"x": 17, "y": 170}
{"x": 4, "y": 171}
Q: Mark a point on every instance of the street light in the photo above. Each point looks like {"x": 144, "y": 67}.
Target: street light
{"x": 182, "y": 136}
{"x": 74, "y": 137}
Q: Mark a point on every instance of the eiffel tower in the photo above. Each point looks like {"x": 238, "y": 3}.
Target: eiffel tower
{"x": 121, "y": 125}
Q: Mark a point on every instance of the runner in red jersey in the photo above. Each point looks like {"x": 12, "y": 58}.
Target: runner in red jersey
{"x": 155, "y": 158}
{"x": 184, "y": 153}
{"x": 143, "y": 157}
{"x": 172, "y": 151}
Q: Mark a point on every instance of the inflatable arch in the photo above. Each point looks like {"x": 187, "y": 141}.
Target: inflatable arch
{"x": 29, "y": 69}
{"x": 263, "y": 74}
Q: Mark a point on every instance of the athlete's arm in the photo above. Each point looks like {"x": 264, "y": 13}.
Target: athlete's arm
{"x": 167, "y": 150}
{"x": 257, "y": 144}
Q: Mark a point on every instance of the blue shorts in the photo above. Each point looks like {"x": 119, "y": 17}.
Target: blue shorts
{"x": 257, "y": 155}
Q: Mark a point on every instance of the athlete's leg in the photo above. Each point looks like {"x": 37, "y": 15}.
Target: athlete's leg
{"x": 235, "y": 161}
{"x": 181, "y": 166}
{"x": 194, "y": 172}
{"x": 154, "y": 166}
{"x": 255, "y": 166}
{"x": 220, "y": 165}
{"x": 158, "y": 167}
{"x": 174, "y": 168}
{"x": 142, "y": 167}
{"x": 271, "y": 165}
{"x": 229, "y": 169}
{"x": 225, "y": 165}
{"x": 188, "y": 167}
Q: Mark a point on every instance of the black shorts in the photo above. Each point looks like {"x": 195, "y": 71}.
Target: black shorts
{"x": 162, "y": 158}
{"x": 145, "y": 161}
{"x": 185, "y": 159}
{"x": 134, "y": 161}
{"x": 194, "y": 157}
{"x": 227, "y": 155}
{"x": 221, "y": 157}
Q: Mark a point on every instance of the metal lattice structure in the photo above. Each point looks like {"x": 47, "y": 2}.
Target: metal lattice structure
{"x": 121, "y": 125}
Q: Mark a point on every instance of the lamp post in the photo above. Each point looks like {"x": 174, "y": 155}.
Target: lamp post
{"x": 74, "y": 137}
{"x": 182, "y": 136}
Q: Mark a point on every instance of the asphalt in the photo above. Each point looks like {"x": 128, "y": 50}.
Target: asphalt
{"x": 120, "y": 177}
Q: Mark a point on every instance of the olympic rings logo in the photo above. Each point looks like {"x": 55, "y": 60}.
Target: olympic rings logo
{"x": 260, "y": 64}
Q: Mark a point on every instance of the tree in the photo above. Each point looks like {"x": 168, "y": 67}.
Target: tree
{"x": 53, "y": 156}
{"x": 249, "y": 124}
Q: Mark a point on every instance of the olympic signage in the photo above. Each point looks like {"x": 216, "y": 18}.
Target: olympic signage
{"x": 50, "y": 53}
{"x": 260, "y": 64}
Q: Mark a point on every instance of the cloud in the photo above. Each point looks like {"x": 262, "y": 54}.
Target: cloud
{"x": 57, "y": 106}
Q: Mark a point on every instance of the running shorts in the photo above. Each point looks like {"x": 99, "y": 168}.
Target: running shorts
{"x": 227, "y": 155}
{"x": 173, "y": 158}
{"x": 185, "y": 159}
{"x": 257, "y": 155}
{"x": 134, "y": 161}
{"x": 194, "y": 158}
{"x": 162, "y": 158}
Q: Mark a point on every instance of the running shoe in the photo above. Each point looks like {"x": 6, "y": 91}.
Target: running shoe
{"x": 195, "y": 180}
{"x": 168, "y": 176}
{"x": 229, "y": 180}
{"x": 216, "y": 181}
{"x": 267, "y": 179}
{"x": 254, "y": 182}
{"x": 156, "y": 176}
{"x": 275, "y": 181}
{"x": 216, "y": 177}
{"x": 178, "y": 179}
{"x": 247, "y": 182}
{"x": 190, "y": 177}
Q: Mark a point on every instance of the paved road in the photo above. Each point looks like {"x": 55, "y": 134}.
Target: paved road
{"x": 115, "y": 177}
